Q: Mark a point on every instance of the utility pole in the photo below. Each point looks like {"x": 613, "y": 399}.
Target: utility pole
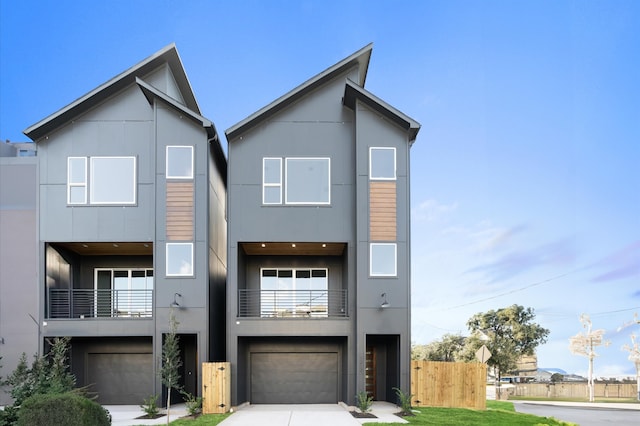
{"x": 584, "y": 343}
{"x": 634, "y": 355}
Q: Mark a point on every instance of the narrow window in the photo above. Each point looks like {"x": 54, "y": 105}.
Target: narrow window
{"x": 179, "y": 259}
{"x": 113, "y": 180}
{"x": 382, "y": 163}
{"x": 179, "y": 162}
{"x": 383, "y": 260}
{"x": 272, "y": 181}
{"x": 307, "y": 181}
{"x": 77, "y": 180}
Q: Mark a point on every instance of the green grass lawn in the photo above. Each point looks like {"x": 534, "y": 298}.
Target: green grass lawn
{"x": 205, "y": 420}
{"x": 498, "y": 413}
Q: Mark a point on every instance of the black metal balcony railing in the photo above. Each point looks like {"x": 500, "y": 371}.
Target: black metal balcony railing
{"x": 292, "y": 303}
{"x": 89, "y": 303}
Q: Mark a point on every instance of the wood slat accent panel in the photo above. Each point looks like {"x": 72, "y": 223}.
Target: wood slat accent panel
{"x": 180, "y": 211}
{"x": 382, "y": 211}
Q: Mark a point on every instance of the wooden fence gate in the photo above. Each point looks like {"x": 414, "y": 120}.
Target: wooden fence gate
{"x": 216, "y": 387}
{"x": 449, "y": 384}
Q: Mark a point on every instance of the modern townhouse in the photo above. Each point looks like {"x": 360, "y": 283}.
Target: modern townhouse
{"x": 318, "y": 284}
{"x": 131, "y": 225}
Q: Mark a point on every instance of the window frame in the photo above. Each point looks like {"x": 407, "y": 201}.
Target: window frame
{"x": 167, "y": 273}
{"x": 291, "y": 304}
{"x": 168, "y": 176}
{"x": 395, "y": 164}
{"x": 92, "y": 181}
{"x": 286, "y": 180}
{"x": 271, "y": 185}
{"x": 71, "y": 185}
{"x": 395, "y": 260}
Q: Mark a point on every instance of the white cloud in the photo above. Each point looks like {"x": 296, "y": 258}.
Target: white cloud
{"x": 431, "y": 210}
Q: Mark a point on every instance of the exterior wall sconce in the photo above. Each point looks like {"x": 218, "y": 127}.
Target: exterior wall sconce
{"x": 175, "y": 303}
{"x": 385, "y": 303}
{"x": 1, "y": 340}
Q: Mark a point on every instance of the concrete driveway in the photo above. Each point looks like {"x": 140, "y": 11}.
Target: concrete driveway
{"x": 308, "y": 415}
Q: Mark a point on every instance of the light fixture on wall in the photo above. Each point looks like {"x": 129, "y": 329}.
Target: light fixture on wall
{"x": 385, "y": 303}
{"x": 1, "y": 340}
{"x": 175, "y": 303}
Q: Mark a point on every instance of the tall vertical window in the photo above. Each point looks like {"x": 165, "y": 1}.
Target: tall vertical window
{"x": 77, "y": 180}
{"x": 382, "y": 163}
{"x": 272, "y": 180}
{"x": 383, "y": 260}
{"x": 179, "y": 259}
{"x": 179, "y": 162}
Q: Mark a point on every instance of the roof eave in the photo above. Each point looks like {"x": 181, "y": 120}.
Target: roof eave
{"x": 360, "y": 58}
{"x": 152, "y": 93}
{"x": 353, "y": 92}
{"x": 168, "y": 54}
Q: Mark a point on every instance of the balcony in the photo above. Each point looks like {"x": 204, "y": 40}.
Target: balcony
{"x": 107, "y": 303}
{"x": 292, "y": 303}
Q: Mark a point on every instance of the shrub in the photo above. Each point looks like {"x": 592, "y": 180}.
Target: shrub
{"x": 404, "y": 400}
{"x": 364, "y": 401}
{"x": 150, "y": 406}
{"x": 67, "y": 409}
{"x": 193, "y": 403}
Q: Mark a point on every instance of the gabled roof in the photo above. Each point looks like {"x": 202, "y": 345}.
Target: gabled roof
{"x": 168, "y": 55}
{"x": 359, "y": 58}
{"x": 353, "y": 92}
{"x": 152, "y": 93}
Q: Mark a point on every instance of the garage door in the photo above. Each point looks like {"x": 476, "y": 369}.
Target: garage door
{"x": 121, "y": 378}
{"x": 294, "y": 377}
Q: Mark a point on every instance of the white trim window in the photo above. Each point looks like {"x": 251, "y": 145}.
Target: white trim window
{"x": 292, "y": 292}
{"x": 113, "y": 180}
{"x": 383, "y": 260}
{"x": 77, "y": 180}
{"x": 179, "y": 161}
{"x": 179, "y": 257}
{"x": 123, "y": 292}
{"x": 307, "y": 181}
{"x": 271, "y": 180}
{"x": 382, "y": 163}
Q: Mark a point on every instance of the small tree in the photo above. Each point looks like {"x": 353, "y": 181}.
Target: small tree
{"x": 171, "y": 362}
{"x": 508, "y": 333}
{"x": 556, "y": 377}
{"x": 448, "y": 349}
{"x": 48, "y": 374}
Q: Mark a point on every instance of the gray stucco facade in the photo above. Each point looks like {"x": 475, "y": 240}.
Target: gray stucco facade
{"x": 18, "y": 259}
{"x": 292, "y": 262}
{"x": 123, "y": 237}
{"x": 348, "y": 342}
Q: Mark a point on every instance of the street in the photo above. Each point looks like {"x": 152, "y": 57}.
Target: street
{"x": 583, "y": 416}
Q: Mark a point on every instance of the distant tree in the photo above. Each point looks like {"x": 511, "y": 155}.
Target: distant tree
{"x": 556, "y": 377}
{"x": 446, "y": 349}
{"x": 508, "y": 333}
{"x": 171, "y": 362}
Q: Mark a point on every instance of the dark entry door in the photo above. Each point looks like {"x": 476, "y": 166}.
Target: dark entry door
{"x": 294, "y": 377}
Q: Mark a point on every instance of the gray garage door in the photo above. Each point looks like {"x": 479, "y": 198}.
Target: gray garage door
{"x": 121, "y": 378}
{"x": 294, "y": 377}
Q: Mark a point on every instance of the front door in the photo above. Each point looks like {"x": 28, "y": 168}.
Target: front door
{"x": 370, "y": 372}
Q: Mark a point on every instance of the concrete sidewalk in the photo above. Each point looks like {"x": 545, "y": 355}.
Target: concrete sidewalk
{"x": 308, "y": 415}
{"x": 127, "y": 415}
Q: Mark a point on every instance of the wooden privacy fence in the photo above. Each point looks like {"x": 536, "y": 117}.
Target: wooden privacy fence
{"x": 216, "y": 387}
{"x": 449, "y": 384}
{"x": 575, "y": 390}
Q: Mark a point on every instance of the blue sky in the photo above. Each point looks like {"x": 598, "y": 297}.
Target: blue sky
{"x": 525, "y": 175}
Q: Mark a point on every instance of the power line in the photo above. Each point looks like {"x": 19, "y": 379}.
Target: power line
{"x": 512, "y": 291}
